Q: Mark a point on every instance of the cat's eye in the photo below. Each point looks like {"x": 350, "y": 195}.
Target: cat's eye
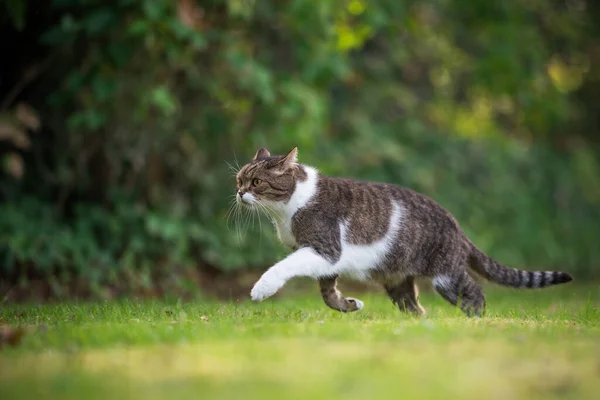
{"x": 256, "y": 182}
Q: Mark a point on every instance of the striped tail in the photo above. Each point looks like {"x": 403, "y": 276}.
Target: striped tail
{"x": 496, "y": 272}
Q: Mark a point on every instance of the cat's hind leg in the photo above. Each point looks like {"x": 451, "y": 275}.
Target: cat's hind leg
{"x": 459, "y": 287}
{"x": 334, "y": 298}
{"x": 405, "y": 295}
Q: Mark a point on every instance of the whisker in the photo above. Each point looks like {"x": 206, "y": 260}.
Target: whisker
{"x": 264, "y": 208}
{"x": 248, "y": 219}
{"x": 230, "y": 212}
{"x": 267, "y": 211}
{"x": 232, "y": 170}
{"x": 270, "y": 211}
{"x": 234, "y": 215}
{"x": 259, "y": 226}
{"x": 236, "y": 161}
{"x": 239, "y": 222}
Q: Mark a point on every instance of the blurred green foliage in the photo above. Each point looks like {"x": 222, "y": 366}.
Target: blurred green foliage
{"x": 488, "y": 107}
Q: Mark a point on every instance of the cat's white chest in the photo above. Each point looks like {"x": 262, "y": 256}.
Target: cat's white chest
{"x": 284, "y": 232}
{"x": 282, "y": 213}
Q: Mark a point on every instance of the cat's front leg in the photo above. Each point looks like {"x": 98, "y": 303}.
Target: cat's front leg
{"x": 302, "y": 262}
{"x": 268, "y": 284}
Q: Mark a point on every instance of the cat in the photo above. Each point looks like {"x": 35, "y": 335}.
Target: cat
{"x": 370, "y": 231}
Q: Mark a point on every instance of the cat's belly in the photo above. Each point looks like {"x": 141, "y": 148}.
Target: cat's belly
{"x": 359, "y": 260}
{"x": 359, "y": 275}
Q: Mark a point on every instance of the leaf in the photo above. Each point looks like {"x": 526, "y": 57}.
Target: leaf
{"x": 99, "y": 21}
{"x": 120, "y": 53}
{"x": 63, "y": 32}
{"x": 28, "y": 117}
{"x": 91, "y": 119}
{"x": 164, "y": 100}
{"x": 13, "y": 163}
{"x": 103, "y": 87}
{"x": 138, "y": 27}
{"x": 189, "y": 14}
{"x": 17, "y": 10}
{"x": 11, "y": 336}
{"x": 15, "y": 135}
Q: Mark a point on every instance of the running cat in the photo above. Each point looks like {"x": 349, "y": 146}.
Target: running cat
{"x": 367, "y": 230}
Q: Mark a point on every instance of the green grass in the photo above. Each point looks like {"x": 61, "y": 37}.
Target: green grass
{"x": 531, "y": 344}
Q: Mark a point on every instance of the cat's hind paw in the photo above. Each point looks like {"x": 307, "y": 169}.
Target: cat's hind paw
{"x": 354, "y": 304}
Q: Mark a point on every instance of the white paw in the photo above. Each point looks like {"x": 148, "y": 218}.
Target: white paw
{"x": 264, "y": 288}
{"x": 359, "y": 304}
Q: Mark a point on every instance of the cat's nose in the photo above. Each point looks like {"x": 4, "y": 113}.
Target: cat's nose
{"x": 241, "y": 193}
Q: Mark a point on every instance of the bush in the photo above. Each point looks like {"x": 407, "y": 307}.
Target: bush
{"x": 145, "y": 102}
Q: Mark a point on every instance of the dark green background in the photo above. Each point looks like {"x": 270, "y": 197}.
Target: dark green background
{"x": 489, "y": 107}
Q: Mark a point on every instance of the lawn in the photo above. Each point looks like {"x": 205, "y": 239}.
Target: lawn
{"x": 531, "y": 344}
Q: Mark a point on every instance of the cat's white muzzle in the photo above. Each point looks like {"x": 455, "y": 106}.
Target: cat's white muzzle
{"x": 246, "y": 199}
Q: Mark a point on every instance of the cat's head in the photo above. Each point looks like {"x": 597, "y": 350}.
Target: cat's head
{"x": 268, "y": 179}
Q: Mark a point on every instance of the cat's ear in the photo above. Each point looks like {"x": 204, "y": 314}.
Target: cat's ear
{"x": 261, "y": 153}
{"x": 291, "y": 157}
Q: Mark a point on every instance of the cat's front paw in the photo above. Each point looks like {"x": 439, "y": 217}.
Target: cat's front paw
{"x": 265, "y": 287}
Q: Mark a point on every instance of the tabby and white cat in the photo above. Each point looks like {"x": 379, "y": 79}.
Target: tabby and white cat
{"x": 368, "y": 230}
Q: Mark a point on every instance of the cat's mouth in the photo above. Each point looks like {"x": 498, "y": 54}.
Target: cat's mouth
{"x": 246, "y": 200}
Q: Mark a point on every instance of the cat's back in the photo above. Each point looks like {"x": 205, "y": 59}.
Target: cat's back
{"x": 370, "y": 205}
{"x": 346, "y": 193}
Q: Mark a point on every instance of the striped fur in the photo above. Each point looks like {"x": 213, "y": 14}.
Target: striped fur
{"x": 496, "y": 272}
{"x": 374, "y": 231}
